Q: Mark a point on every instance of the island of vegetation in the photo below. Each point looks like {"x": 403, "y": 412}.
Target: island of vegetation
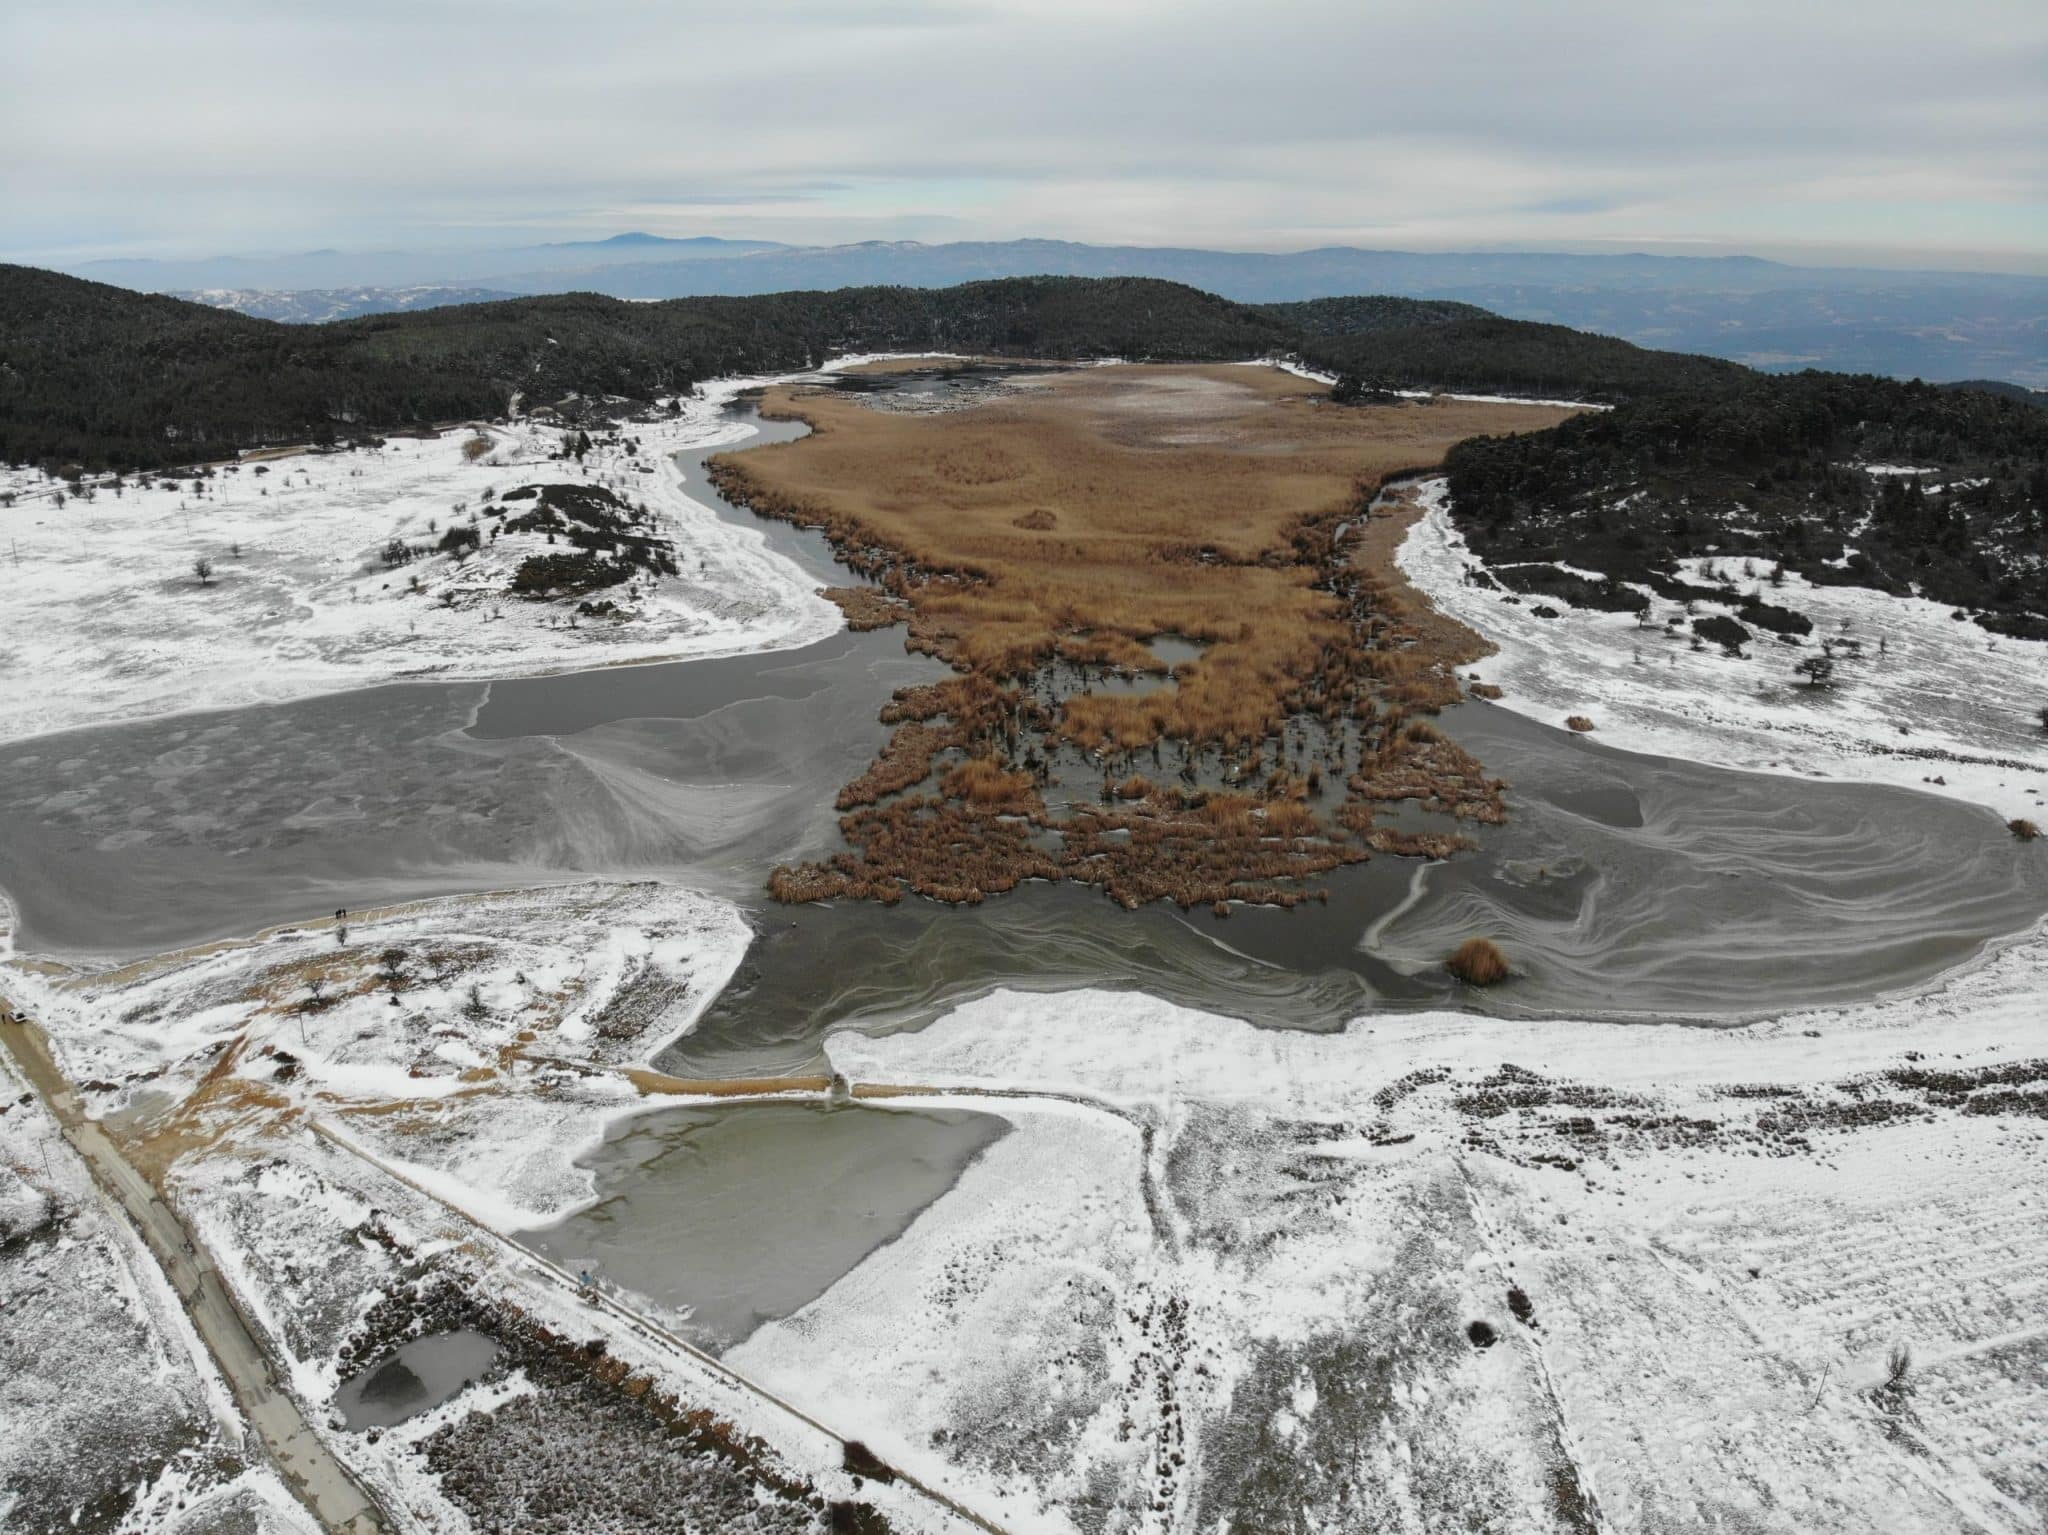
{"x": 1175, "y": 677}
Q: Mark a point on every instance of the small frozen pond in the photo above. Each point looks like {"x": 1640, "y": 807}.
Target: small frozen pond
{"x": 1175, "y": 649}
{"x": 731, "y": 1217}
{"x": 422, "y": 1374}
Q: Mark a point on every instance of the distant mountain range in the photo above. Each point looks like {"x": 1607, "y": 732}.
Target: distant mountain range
{"x": 315, "y": 306}
{"x": 1940, "y": 326}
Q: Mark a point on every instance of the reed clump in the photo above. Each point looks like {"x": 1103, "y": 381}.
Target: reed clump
{"x": 1478, "y": 962}
{"x": 866, "y": 607}
{"x": 989, "y": 784}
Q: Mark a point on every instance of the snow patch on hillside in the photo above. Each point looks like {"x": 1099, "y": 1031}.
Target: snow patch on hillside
{"x": 104, "y": 597}
{"x": 1942, "y": 706}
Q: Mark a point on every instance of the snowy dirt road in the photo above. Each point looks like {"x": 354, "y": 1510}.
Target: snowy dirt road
{"x": 320, "y": 1480}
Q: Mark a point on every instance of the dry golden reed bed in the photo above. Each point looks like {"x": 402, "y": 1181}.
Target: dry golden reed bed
{"x": 1075, "y": 520}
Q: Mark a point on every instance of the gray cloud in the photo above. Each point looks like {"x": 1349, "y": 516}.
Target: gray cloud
{"x": 1844, "y": 124}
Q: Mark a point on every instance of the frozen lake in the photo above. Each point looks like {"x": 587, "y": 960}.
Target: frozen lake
{"x": 1623, "y": 885}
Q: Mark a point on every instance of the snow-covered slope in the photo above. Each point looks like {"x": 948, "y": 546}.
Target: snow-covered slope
{"x": 107, "y": 619}
{"x": 1918, "y": 698}
{"x": 109, "y": 1404}
{"x": 475, "y": 1031}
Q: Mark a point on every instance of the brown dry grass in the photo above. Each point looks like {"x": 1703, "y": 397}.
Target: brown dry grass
{"x": 1080, "y": 518}
{"x": 1179, "y": 496}
{"x": 1578, "y": 722}
{"x": 2023, "y": 829}
{"x": 1478, "y": 962}
{"x": 865, "y": 608}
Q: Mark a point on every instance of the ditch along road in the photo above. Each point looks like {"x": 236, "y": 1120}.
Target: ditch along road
{"x": 319, "y": 1481}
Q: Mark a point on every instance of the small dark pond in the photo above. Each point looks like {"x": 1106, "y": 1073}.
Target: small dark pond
{"x": 419, "y": 1375}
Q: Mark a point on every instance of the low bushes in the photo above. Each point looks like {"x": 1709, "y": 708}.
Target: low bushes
{"x": 1722, "y": 631}
{"x": 1478, "y": 962}
{"x": 572, "y": 574}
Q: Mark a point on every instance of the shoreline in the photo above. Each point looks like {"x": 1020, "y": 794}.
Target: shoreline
{"x": 266, "y": 679}
{"x": 1727, "y": 713}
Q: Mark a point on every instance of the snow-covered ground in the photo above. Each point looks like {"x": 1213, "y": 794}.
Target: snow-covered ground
{"x": 1918, "y": 699}
{"x": 583, "y": 1423}
{"x": 107, "y": 619}
{"x": 356, "y": 1107}
{"x": 109, "y": 1405}
{"x": 1219, "y": 1276}
{"x": 474, "y": 1033}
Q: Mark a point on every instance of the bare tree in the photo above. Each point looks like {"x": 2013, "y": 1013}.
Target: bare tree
{"x": 203, "y": 569}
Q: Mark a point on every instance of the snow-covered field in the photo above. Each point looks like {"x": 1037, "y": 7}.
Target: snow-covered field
{"x": 107, "y": 619}
{"x": 1434, "y": 1271}
{"x": 1918, "y": 699}
{"x": 108, "y": 1401}
{"x": 354, "y": 1107}
{"x": 1221, "y": 1276}
{"x": 475, "y": 1032}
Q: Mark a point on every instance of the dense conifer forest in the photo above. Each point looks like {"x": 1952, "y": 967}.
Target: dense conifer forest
{"x": 107, "y": 378}
{"x": 1843, "y": 478}
{"x": 104, "y": 377}
{"x": 1699, "y": 457}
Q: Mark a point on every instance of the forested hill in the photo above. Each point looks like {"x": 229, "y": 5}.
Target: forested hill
{"x": 1700, "y": 456}
{"x": 1843, "y": 478}
{"x": 1518, "y": 357}
{"x": 104, "y": 377}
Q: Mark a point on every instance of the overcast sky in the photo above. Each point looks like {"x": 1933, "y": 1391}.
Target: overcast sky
{"x": 1823, "y": 130}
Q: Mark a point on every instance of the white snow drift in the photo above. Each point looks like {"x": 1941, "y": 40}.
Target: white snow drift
{"x": 108, "y": 619}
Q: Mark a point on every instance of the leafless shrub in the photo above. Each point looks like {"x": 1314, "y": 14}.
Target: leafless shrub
{"x": 1898, "y": 1368}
